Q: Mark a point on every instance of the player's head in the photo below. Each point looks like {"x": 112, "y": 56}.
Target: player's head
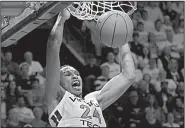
{"x": 70, "y": 80}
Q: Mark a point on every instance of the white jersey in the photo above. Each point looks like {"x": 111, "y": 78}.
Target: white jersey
{"x": 73, "y": 111}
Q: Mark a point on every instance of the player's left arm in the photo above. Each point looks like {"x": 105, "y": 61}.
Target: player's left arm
{"x": 117, "y": 86}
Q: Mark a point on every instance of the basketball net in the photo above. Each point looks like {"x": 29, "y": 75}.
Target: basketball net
{"x": 93, "y": 10}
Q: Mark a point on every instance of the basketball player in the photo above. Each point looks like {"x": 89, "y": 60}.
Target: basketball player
{"x": 66, "y": 107}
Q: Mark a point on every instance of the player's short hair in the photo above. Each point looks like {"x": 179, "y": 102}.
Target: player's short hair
{"x": 64, "y": 66}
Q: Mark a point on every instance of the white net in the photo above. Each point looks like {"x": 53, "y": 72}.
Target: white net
{"x": 93, "y": 10}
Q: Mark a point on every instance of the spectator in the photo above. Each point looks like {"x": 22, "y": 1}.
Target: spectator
{"x": 180, "y": 91}
{"x": 34, "y": 66}
{"x": 178, "y": 112}
{"x": 178, "y": 7}
{"x": 170, "y": 122}
{"x": 143, "y": 60}
{"x": 147, "y": 78}
{"x": 167, "y": 43}
{"x": 162, "y": 75}
{"x": 156, "y": 84}
{"x": 142, "y": 89}
{"x": 154, "y": 12}
{"x": 5, "y": 77}
{"x": 114, "y": 67}
{"x": 178, "y": 36}
{"x": 11, "y": 94}
{"x": 136, "y": 17}
{"x": 181, "y": 26}
{"x": 13, "y": 120}
{"x": 152, "y": 70}
{"x": 143, "y": 35}
{"x": 24, "y": 81}
{"x": 12, "y": 67}
{"x": 172, "y": 39}
{"x": 150, "y": 121}
{"x": 148, "y": 24}
{"x": 134, "y": 110}
{"x": 162, "y": 96}
{"x": 35, "y": 96}
{"x": 38, "y": 122}
{"x": 167, "y": 24}
{"x": 177, "y": 41}
{"x": 24, "y": 114}
{"x": 135, "y": 45}
{"x": 153, "y": 49}
{"x": 103, "y": 79}
{"x": 173, "y": 72}
{"x": 158, "y": 32}
{"x": 153, "y": 106}
{"x": 172, "y": 86}
{"x": 170, "y": 12}
{"x": 165, "y": 57}
{"x": 90, "y": 72}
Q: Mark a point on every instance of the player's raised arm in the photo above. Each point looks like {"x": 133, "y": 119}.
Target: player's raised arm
{"x": 53, "y": 61}
{"x": 119, "y": 84}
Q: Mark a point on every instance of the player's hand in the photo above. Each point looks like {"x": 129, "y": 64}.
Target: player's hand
{"x": 66, "y": 14}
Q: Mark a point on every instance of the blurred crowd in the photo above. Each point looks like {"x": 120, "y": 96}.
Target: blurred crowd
{"x": 155, "y": 99}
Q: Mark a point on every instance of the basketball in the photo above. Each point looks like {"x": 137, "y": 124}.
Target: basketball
{"x": 114, "y": 28}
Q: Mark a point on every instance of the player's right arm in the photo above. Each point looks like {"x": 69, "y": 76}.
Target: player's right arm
{"x": 53, "y": 62}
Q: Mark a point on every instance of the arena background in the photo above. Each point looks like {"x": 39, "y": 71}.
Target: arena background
{"x": 158, "y": 92}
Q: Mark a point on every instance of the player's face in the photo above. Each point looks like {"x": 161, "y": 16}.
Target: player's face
{"x": 71, "y": 80}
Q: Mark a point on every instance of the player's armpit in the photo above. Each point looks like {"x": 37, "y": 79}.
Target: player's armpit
{"x": 57, "y": 98}
{"x": 60, "y": 94}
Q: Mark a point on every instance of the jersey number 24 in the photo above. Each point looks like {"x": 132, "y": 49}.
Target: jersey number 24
{"x": 57, "y": 116}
